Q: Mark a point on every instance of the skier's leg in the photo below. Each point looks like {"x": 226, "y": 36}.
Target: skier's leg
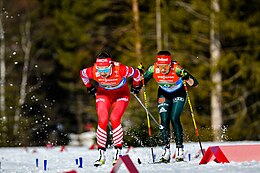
{"x": 118, "y": 109}
{"x": 164, "y": 108}
{"x": 177, "y": 108}
{"x": 102, "y": 108}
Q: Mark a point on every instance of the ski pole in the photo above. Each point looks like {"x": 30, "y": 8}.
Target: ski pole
{"x": 110, "y": 135}
{"x": 148, "y": 119}
{"x": 193, "y": 117}
{"x": 137, "y": 98}
{"x": 147, "y": 115}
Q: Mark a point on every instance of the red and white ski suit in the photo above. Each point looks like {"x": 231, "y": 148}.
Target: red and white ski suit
{"x": 112, "y": 99}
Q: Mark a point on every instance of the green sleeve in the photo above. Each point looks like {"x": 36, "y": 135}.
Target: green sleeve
{"x": 186, "y": 75}
{"x": 148, "y": 74}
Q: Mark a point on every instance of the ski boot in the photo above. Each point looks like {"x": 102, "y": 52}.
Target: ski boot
{"x": 179, "y": 154}
{"x": 117, "y": 154}
{"x": 101, "y": 158}
{"x": 166, "y": 156}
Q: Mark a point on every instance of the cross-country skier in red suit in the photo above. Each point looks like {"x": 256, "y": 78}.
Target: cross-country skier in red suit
{"x": 112, "y": 98}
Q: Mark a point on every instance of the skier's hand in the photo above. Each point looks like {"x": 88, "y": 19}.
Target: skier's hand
{"x": 92, "y": 90}
{"x": 181, "y": 73}
{"x": 141, "y": 68}
{"x": 136, "y": 89}
{"x": 185, "y": 76}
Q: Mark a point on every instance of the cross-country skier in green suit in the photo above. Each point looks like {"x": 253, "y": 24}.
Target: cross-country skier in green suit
{"x": 171, "y": 99}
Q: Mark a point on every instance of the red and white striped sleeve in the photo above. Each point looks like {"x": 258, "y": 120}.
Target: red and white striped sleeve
{"x": 85, "y": 75}
{"x": 127, "y": 71}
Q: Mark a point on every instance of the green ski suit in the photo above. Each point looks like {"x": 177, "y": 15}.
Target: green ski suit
{"x": 171, "y": 100}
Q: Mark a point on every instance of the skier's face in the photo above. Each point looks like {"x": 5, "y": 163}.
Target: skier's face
{"x": 104, "y": 71}
{"x": 164, "y": 68}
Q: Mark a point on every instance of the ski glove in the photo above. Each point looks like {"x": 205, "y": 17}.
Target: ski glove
{"x": 185, "y": 76}
{"x": 135, "y": 89}
{"x": 182, "y": 73}
{"x": 92, "y": 90}
{"x": 141, "y": 68}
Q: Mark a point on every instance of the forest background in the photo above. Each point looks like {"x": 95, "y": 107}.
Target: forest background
{"x": 45, "y": 43}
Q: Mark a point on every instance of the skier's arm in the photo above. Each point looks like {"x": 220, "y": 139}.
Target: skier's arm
{"x": 185, "y": 75}
{"x": 127, "y": 71}
{"x": 85, "y": 75}
{"x": 148, "y": 74}
{"x": 191, "y": 80}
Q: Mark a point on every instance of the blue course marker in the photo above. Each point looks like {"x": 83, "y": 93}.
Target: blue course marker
{"x": 45, "y": 165}
{"x": 80, "y": 162}
{"x": 37, "y": 162}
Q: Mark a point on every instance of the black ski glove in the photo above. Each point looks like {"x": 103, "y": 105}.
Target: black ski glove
{"x": 185, "y": 76}
{"x": 182, "y": 73}
{"x": 92, "y": 90}
{"x": 136, "y": 89}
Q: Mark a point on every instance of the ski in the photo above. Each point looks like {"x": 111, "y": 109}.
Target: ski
{"x": 97, "y": 165}
{"x": 158, "y": 162}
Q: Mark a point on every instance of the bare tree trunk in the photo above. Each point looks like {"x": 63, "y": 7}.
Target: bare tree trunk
{"x": 158, "y": 25}
{"x": 3, "y": 68}
{"x": 138, "y": 44}
{"x": 166, "y": 40}
{"x": 79, "y": 112}
{"x": 26, "y": 46}
{"x": 3, "y": 116}
{"x": 215, "y": 47}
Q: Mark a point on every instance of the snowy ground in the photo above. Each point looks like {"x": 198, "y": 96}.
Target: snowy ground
{"x": 21, "y": 160}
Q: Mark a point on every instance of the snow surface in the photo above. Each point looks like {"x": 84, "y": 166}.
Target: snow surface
{"x": 23, "y": 160}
